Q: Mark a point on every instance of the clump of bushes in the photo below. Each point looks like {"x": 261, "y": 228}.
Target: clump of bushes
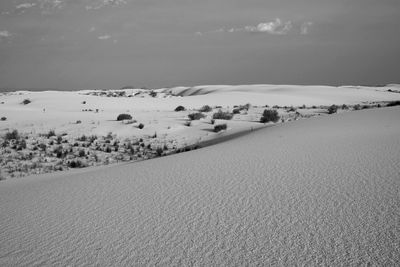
{"x": 51, "y": 133}
{"x": 393, "y": 103}
{"x": 205, "y": 108}
{"x": 357, "y": 107}
{"x": 3, "y": 118}
{"x": 124, "y": 116}
{"x": 220, "y": 127}
{"x": 269, "y": 115}
{"x": 78, "y": 122}
{"x": 76, "y": 164}
{"x": 345, "y": 107}
{"x": 26, "y": 101}
{"x": 141, "y": 126}
{"x": 14, "y": 135}
{"x": 180, "y": 108}
{"x": 332, "y": 109}
{"x": 221, "y": 115}
{"x": 196, "y": 116}
{"x": 236, "y": 111}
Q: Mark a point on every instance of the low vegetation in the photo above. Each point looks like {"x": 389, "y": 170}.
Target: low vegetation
{"x": 26, "y": 101}
{"x": 220, "y": 127}
{"x": 269, "y": 115}
{"x": 124, "y": 116}
{"x": 332, "y": 109}
{"x": 205, "y": 108}
{"x": 180, "y": 108}
{"x": 393, "y": 103}
{"x": 196, "y": 116}
{"x": 222, "y": 115}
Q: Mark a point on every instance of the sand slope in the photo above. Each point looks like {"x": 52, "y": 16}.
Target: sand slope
{"x": 318, "y": 191}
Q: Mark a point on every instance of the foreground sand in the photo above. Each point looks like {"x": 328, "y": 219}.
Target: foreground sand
{"x": 318, "y": 191}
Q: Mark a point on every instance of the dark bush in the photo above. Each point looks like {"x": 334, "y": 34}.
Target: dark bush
{"x": 205, "y": 108}
{"x": 344, "y": 107}
{"x": 332, "y": 109}
{"x": 357, "y": 107}
{"x": 393, "y": 103}
{"x": 51, "y": 133}
{"x": 236, "y": 111}
{"x": 76, "y": 164}
{"x": 81, "y": 153}
{"x": 3, "y": 118}
{"x": 26, "y": 101}
{"x": 78, "y": 121}
{"x": 221, "y": 115}
{"x": 122, "y": 117}
{"x": 269, "y": 115}
{"x": 188, "y": 123}
{"x": 180, "y": 108}
{"x": 196, "y": 116}
{"x": 220, "y": 127}
{"x": 159, "y": 151}
{"x": 14, "y": 135}
{"x": 141, "y": 126}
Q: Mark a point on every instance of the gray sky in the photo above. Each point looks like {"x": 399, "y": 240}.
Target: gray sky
{"x": 88, "y": 44}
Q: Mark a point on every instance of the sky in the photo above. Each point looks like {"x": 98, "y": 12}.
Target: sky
{"x": 100, "y": 44}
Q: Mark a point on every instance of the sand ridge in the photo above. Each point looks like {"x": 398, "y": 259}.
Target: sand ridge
{"x": 323, "y": 191}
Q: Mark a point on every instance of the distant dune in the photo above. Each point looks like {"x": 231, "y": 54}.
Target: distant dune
{"x": 322, "y": 191}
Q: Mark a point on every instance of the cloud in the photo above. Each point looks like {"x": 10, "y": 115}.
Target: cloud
{"x": 5, "y": 34}
{"x": 104, "y": 37}
{"x": 272, "y": 27}
{"x": 92, "y": 29}
{"x": 305, "y": 27}
{"x": 25, "y": 5}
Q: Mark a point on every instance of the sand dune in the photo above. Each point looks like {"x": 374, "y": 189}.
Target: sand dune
{"x": 319, "y": 191}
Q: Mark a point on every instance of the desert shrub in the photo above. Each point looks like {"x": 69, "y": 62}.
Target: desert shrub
{"x": 393, "y": 103}
{"x": 152, "y": 93}
{"x": 291, "y": 109}
{"x": 81, "y": 153}
{"x": 43, "y": 146}
{"x": 51, "y": 133}
{"x": 344, "y": 107}
{"x": 220, "y": 127}
{"x": 221, "y": 115}
{"x": 141, "y": 126}
{"x": 159, "y": 151}
{"x": 26, "y": 101}
{"x": 78, "y": 121}
{"x": 14, "y": 135}
{"x": 269, "y": 115}
{"x": 205, "y": 108}
{"x": 83, "y": 102}
{"x": 3, "y": 118}
{"x": 357, "y": 107}
{"x": 188, "y": 123}
{"x": 83, "y": 138}
{"x": 276, "y": 106}
{"x": 21, "y": 144}
{"x": 75, "y": 164}
{"x": 332, "y": 109}
{"x": 236, "y": 111}
{"x": 122, "y": 117}
{"x": 58, "y": 151}
{"x": 196, "y": 116}
{"x": 180, "y": 108}
{"x": 212, "y": 121}
{"x": 365, "y": 107}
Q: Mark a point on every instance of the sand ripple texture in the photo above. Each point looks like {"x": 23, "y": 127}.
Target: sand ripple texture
{"x": 322, "y": 191}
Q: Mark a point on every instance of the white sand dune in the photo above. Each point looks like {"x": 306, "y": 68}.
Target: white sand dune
{"x": 320, "y": 191}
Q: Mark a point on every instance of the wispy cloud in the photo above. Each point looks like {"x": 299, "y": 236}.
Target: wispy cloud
{"x": 275, "y": 27}
{"x": 25, "y": 5}
{"x": 5, "y": 35}
{"x": 104, "y": 37}
{"x": 305, "y": 27}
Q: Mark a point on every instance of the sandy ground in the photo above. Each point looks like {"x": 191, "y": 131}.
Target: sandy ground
{"x": 322, "y": 191}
